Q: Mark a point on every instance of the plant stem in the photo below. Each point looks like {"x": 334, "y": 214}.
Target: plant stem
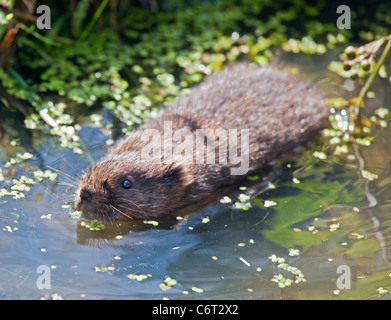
{"x": 373, "y": 75}
{"x": 96, "y": 16}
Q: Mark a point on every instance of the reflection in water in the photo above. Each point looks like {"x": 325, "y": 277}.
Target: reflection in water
{"x": 372, "y": 202}
{"x": 116, "y": 230}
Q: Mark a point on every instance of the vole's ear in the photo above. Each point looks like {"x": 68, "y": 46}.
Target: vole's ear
{"x": 174, "y": 173}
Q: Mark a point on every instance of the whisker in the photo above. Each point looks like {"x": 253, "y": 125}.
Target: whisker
{"x": 60, "y": 172}
{"x": 112, "y": 220}
{"x": 120, "y": 212}
{"x": 63, "y": 183}
{"x": 70, "y": 164}
{"x": 83, "y": 172}
{"x": 134, "y": 204}
{"x": 69, "y": 179}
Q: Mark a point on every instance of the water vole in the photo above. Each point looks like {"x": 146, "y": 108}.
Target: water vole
{"x": 230, "y": 125}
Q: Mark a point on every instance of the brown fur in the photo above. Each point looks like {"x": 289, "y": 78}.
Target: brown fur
{"x": 280, "y": 112}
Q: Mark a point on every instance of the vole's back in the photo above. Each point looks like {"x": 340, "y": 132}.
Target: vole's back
{"x": 280, "y": 111}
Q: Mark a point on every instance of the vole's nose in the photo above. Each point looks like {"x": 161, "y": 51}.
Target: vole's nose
{"x": 85, "y": 195}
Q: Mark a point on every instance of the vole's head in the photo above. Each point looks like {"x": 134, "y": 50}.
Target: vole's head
{"x": 125, "y": 188}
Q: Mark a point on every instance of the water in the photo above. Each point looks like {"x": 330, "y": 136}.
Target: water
{"x": 327, "y": 217}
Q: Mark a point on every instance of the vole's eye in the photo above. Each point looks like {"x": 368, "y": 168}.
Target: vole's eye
{"x": 126, "y": 184}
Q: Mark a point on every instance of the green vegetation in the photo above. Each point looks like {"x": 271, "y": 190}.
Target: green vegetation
{"x": 281, "y": 280}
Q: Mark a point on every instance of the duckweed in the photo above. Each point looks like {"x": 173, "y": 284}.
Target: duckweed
{"x": 269, "y": 203}
{"x": 167, "y": 284}
{"x": 283, "y": 280}
{"x": 369, "y": 175}
{"x": 24, "y": 183}
{"x": 382, "y": 290}
{"x": 95, "y": 225}
{"x": 139, "y": 277}
{"x": 293, "y": 252}
{"x": 101, "y": 269}
{"x": 76, "y": 214}
{"x": 197, "y": 289}
{"x": 151, "y": 222}
{"x": 206, "y": 220}
{"x": 243, "y": 202}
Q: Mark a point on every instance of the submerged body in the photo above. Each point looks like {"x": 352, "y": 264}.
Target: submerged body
{"x": 233, "y": 123}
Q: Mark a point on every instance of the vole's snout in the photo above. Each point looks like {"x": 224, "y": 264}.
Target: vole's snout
{"x": 85, "y": 195}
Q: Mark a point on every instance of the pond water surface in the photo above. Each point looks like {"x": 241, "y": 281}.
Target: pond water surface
{"x": 332, "y": 221}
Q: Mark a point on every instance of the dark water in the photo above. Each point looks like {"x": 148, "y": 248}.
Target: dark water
{"x": 328, "y": 217}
